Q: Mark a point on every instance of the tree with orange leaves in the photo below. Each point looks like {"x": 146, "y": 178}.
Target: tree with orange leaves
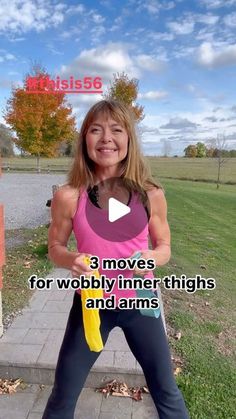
{"x": 125, "y": 90}
{"x": 2, "y": 253}
{"x": 43, "y": 120}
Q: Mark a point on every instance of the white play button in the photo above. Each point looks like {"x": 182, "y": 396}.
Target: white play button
{"x": 130, "y": 216}
{"x": 116, "y": 209}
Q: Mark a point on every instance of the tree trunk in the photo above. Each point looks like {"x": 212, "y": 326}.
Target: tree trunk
{"x": 38, "y": 165}
{"x": 218, "y": 177}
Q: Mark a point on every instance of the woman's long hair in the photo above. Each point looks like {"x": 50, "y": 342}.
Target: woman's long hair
{"x": 135, "y": 171}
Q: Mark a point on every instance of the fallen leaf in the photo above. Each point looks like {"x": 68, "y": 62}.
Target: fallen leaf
{"x": 178, "y": 335}
{"x": 114, "y": 388}
{"x": 27, "y": 264}
{"x": 177, "y": 371}
{"x": 137, "y": 395}
{"x": 177, "y": 360}
{"x": 120, "y": 395}
{"x": 9, "y": 386}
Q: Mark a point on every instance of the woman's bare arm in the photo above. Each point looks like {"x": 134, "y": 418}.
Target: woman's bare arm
{"x": 60, "y": 230}
{"x": 158, "y": 227}
{"x": 62, "y": 210}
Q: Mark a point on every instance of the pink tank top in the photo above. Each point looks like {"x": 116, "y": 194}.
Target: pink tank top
{"x": 89, "y": 242}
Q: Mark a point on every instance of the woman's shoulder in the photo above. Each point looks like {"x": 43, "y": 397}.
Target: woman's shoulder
{"x": 155, "y": 193}
{"x": 157, "y": 201}
{"x": 66, "y": 198}
{"x": 66, "y": 191}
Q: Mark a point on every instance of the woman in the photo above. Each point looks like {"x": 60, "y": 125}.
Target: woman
{"x": 108, "y": 150}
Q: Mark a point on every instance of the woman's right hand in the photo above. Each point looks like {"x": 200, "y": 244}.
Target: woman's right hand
{"x": 79, "y": 267}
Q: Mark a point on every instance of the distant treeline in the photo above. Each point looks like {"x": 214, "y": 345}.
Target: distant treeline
{"x": 201, "y": 150}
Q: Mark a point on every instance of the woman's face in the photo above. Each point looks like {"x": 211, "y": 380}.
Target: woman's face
{"x": 107, "y": 142}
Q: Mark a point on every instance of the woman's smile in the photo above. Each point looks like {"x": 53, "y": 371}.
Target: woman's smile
{"x": 107, "y": 151}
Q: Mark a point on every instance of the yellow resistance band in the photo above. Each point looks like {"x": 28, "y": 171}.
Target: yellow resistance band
{"x": 91, "y": 318}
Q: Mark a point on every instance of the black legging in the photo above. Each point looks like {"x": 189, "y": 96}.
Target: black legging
{"x": 147, "y": 340}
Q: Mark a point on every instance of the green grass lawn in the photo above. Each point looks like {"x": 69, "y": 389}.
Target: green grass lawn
{"x": 28, "y": 257}
{"x": 30, "y": 164}
{"x": 203, "y": 230}
{"x": 204, "y": 169}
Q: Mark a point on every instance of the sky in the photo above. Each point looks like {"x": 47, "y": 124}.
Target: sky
{"x": 182, "y": 52}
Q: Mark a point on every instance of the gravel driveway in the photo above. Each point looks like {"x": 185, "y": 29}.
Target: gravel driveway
{"x": 24, "y": 196}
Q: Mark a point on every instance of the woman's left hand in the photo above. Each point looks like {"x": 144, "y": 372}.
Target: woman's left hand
{"x": 145, "y": 254}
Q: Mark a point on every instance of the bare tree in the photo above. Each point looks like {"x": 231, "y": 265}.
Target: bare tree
{"x": 219, "y": 144}
{"x": 166, "y": 147}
